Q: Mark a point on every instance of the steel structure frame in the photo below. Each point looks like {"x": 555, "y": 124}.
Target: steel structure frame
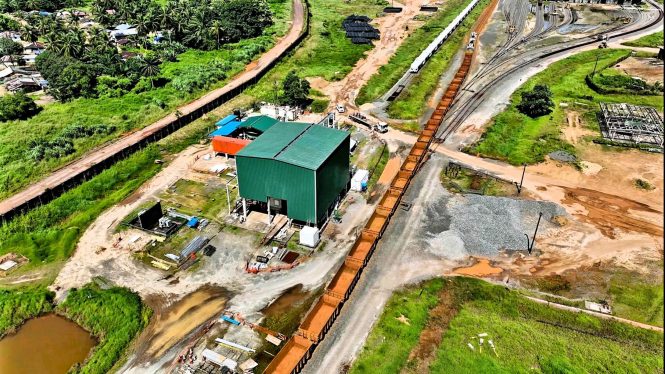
{"x": 631, "y": 123}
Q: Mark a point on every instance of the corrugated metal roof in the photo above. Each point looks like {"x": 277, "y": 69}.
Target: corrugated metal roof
{"x": 261, "y": 123}
{"x": 226, "y": 120}
{"x": 227, "y": 129}
{"x": 300, "y": 144}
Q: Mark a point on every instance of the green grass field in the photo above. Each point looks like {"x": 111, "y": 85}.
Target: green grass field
{"x": 412, "y": 102}
{"x": 528, "y": 337}
{"x": 126, "y": 113}
{"x": 325, "y": 53}
{"x": 654, "y": 40}
{"x": 399, "y": 63}
{"x": 518, "y": 139}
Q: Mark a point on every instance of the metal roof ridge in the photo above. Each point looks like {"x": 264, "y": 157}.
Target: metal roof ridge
{"x": 292, "y": 141}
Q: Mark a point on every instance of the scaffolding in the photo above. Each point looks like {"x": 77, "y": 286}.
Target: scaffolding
{"x": 631, "y": 123}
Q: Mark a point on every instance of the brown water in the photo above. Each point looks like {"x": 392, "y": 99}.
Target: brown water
{"x": 46, "y": 345}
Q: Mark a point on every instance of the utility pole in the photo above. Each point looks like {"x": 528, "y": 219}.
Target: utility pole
{"x": 519, "y": 186}
{"x": 595, "y": 66}
{"x": 530, "y": 243}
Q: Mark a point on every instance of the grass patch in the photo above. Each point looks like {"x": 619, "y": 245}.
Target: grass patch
{"x": 518, "y": 139}
{"x": 126, "y": 113}
{"x": 326, "y": 52}
{"x": 466, "y": 180}
{"x": 376, "y": 163}
{"x": 50, "y": 232}
{"x": 528, "y": 336}
{"x": 643, "y": 185}
{"x": 115, "y": 316}
{"x": 197, "y": 199}
{"x": 18, "y": 306}
{"x": 639, "y": 300}
{"x": 390, "y": 73}
{"x": 388, "y": 345}
{"x": 654, "y": 40}
{"x": 412, "y": 102}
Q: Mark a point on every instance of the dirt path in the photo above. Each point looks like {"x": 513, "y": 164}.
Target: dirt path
{"x": 599, "y": 315}
{"x": 393, "y": 33}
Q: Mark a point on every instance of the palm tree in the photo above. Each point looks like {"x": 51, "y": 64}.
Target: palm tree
{"x": 150, "y": 68}
{"x": 217, "y": 31}
{"x": 29, "y": 33}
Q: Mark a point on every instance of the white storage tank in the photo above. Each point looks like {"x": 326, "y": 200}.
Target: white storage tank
{"x": 359, "y": 180}
{"x": 309, "y": 236}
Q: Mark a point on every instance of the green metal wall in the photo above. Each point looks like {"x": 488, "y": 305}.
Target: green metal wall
{"x": 308, "y": 193}
{"x": 259, "y": 178}
{"x": 331, "y": 178}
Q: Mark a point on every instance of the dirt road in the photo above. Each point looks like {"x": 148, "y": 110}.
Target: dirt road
{"x": 107, "y": 152}
{"x": 393, "y": 28}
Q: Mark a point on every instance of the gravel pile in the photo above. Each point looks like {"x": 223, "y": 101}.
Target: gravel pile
{"x": 457, "y": 226}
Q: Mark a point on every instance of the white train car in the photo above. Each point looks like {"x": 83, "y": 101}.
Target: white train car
{"x": 428, "y": 52}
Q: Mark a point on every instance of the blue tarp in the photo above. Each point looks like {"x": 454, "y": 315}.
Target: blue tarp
{"x": 193, "y": 222}
{"x": 224, "y": 121}
{"x": 231, "y": 320}
{"x": 227, "y": 129}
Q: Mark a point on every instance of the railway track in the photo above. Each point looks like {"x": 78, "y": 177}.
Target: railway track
{"x": 464, "y": 110}
{"x": 299, "y": 348}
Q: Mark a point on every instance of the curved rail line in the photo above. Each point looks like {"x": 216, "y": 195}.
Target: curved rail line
{"x": 460, "y": 114}
{"x": 299, "y": 348}
{"x": 101, "y": 158}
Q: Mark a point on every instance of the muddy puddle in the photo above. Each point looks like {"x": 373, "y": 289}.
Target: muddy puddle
{"x": 47, "y": 345}
{"x": 481, "y": 268}
{"x": 285, "y": 302}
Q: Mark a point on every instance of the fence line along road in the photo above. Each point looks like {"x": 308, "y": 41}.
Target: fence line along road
{"x": 97, "y": 160}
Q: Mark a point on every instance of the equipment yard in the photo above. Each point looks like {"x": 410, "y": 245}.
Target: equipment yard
{"x": 471, "y": 186}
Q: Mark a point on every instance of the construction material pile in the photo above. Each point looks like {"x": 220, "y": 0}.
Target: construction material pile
{"x": 359, "y": 30}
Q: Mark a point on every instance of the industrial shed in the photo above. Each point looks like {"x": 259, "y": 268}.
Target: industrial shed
{"x": 296, "y": 169}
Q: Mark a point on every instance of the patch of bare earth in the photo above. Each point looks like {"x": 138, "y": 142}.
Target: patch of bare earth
{"x": 649, "y": 69}
{"x": 430, "y": 338}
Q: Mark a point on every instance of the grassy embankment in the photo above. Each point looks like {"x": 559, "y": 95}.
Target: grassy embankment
{"x": 125, "y": 113}
{"x": 413, "y": 101}
{"x": 113, "y": 316}
{"x": 527, "y": 336}
{"x": 517, "y": 138}
{"x": 654, "y": 40}
{"x": 16, "y": 307}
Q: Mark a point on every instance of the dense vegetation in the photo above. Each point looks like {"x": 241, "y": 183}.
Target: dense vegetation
{"x": 9, "y": 47}
{"x": 7, "y": 23}
{"x": 18, "y": 306}
{"x": 123, "y": 104}
{"x": 654, "y": 40}
{"x": 17, "y": 106}
{"x": 42, "y": 5}
{"x": 536, "y": 102}
{"x": 417, "y": 40}
{"x": 201, "y": 24}
{"x": 613, "y": 81}
{"x": 527, "y": 336}
{"x": 295, "y": 90}
{"x": 518, "y": 139}
{"x": 115, "y": 316}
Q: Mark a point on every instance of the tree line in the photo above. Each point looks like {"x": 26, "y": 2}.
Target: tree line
{"x": 201, "y": 24}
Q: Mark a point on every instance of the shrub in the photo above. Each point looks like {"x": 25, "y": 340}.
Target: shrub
{"x": 17, "y": 106}
{"x": 537, "y": 102}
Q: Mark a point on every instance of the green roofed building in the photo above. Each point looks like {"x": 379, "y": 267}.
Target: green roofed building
{"x": 296, "y": 169}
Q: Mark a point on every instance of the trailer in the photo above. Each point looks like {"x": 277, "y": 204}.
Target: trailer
{"x": 361, "y": 119}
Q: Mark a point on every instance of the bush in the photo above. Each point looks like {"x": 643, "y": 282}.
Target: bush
{"x": 295, "y": 89}
{"x": 17, "y": 106}
{"x": 537, "y": 102}
{"x": 200, "y": 77}
{"x": 17, "y": 306}
{"x": 115, "y": 316}
{"x": 9, "y": 47}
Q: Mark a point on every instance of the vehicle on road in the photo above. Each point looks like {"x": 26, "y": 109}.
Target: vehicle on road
{"x": 341, "y": 108}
